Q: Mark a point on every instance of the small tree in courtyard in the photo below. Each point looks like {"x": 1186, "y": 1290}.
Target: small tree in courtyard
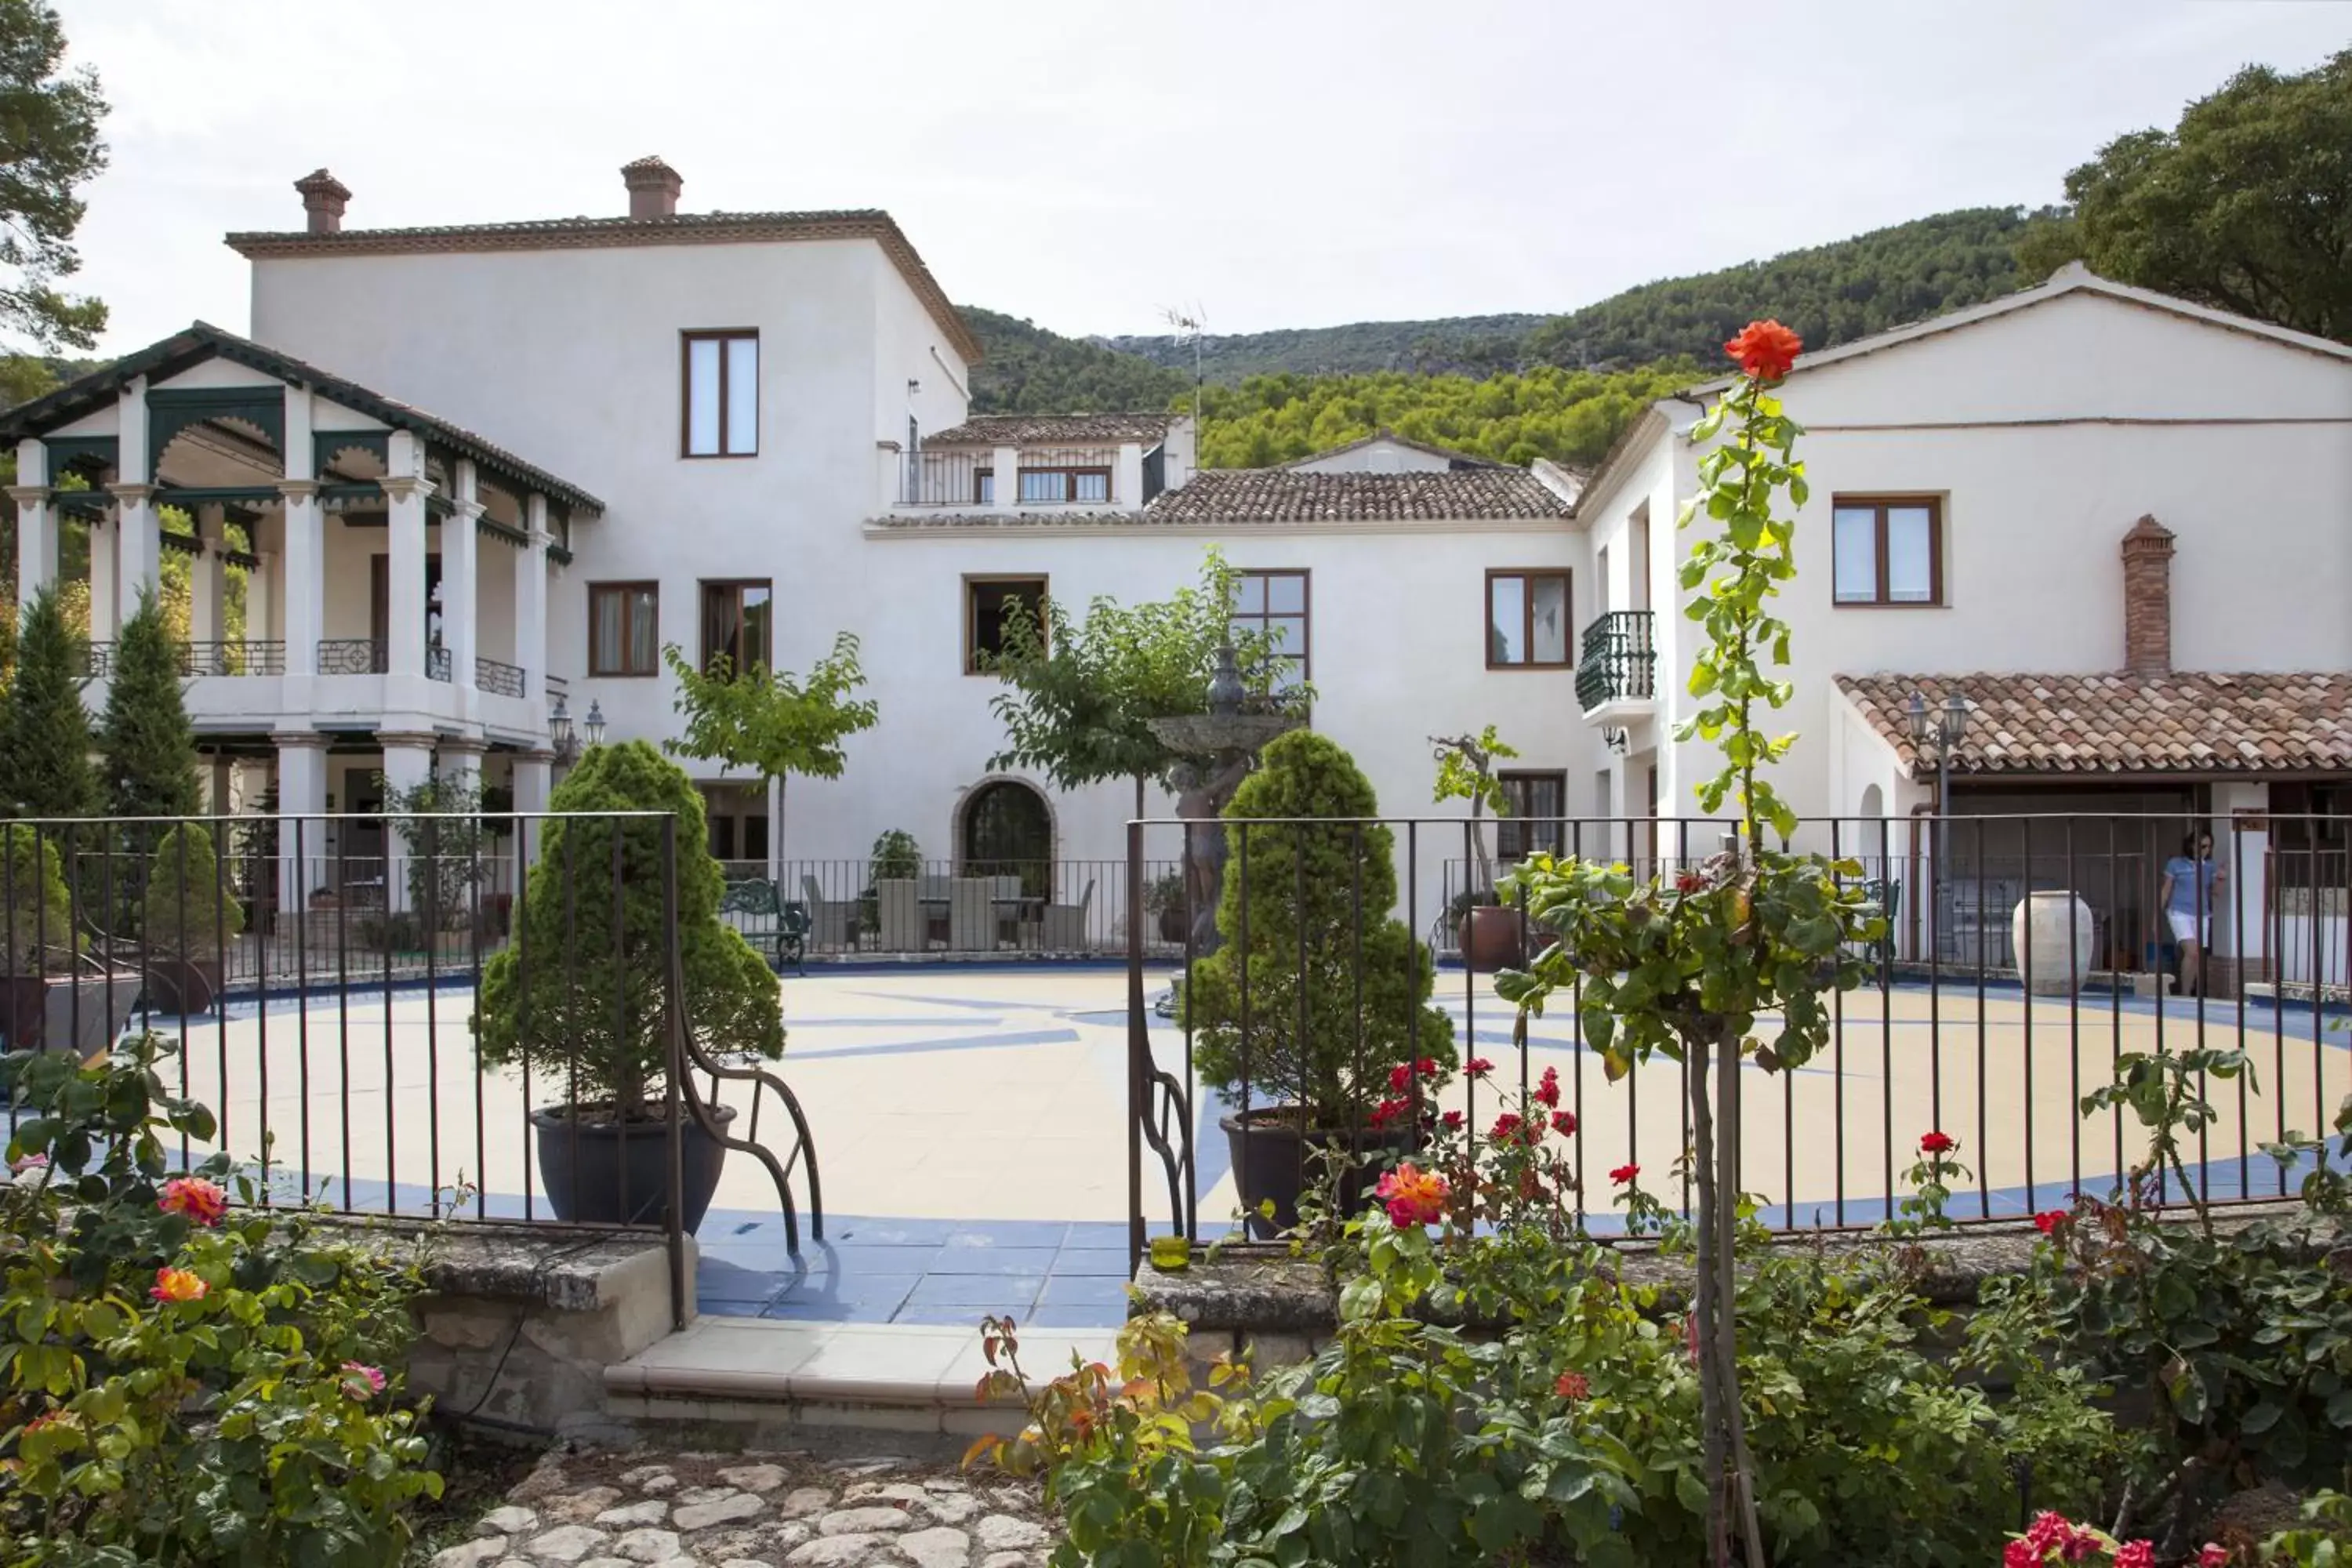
{"x": 769, "y": 721}
{"x": 147, "y": 749}
{"x": 1685, "y": 968}
{"x": 1317, "y": 934}
{"x": 45, "y": 740}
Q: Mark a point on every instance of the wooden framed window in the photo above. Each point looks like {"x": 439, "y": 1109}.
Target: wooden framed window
{"x": 624, "y": 628}
{"x": 988, "y": 602}
{"x": 1887, "y": 551}
{"x": 738, "y": 624}
{"x": 1276, "y": 605}
{"x": 983, "y": 487}
{"x": 1528, "y": 619}
{"x": 1534, "y": 804}
{"x": 1045, "y": 487}
{"x": 719, "y": 395}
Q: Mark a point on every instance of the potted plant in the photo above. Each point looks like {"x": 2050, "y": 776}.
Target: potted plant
{"x": 1488, "y": 934}
{"x": 52, "y": 997}
{"x": 581, "y": 996}
{"x": 1163, "y": 898}
{"x": 187, "y": 922}
{"x": 895, "y": 857}
{"x": 1339, "y": 991}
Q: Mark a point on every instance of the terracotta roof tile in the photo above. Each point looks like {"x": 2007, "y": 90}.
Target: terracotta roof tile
{"x": 2185, "y": 722}
{"x": 1285, "y": 495}
{"x": 1051, "y": 429}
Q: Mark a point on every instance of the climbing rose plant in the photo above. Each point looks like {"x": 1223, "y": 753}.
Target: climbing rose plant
{"x": 1685, "y": 965}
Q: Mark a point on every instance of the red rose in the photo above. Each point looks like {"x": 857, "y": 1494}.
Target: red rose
{"x": 2048, "y": 1221}
{"x": 1512, "y": 1128}
{"x": 1388, "y": 1110}
{"x": 1564, "y": 1123}
{"x": 1478, "y": 1067}
{"x": 1765, "y": 350}
{"x": 2135, "y": 1554}
{"x": 1937, "y": 1143}
{"x": 2213, "y": 1556}
{"x": 1572, "y": 1385}
{"x": 1623, "y": 1174}
{"x": 1451, "y": 1121}
{"x": 1547, "y": 1091}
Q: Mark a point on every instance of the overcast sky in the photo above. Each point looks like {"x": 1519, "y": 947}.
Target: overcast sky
{"x": 1276, "y": 162}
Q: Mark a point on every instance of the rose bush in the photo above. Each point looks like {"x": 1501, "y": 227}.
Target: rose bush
{"x": 181, "y": 1381}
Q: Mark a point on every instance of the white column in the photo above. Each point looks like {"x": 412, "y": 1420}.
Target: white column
{"x": 454, "y": 759}
{"x": 533, "y": 772}
{"x": 304, "y": 566}
{"x": 1126, "y": 477}
{"x": 301, "y": 792}
{"x": 224, "y": 790}
{"x": 460, "y": 547}
{"x": 137, "y": 571}
{"x": 1008, "y": 478}
{"x": 103, "y": 576}
{"x": 259, "y": 586}
{"x": 405, "y": 488}
{"x": 36, "y": 523}
{"x": 204, "y": 578}
{"x": 407, "y": 763}
{"x": 530, "y": 600}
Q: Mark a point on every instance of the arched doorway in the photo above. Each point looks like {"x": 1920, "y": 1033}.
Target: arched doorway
{"x": 1008, "y": 831}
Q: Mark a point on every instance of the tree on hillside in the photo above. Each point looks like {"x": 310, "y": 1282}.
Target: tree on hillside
{"x": 2245, "y": 205}
{"x": 1079, "y": 695}
{"x": 49, "y": 147}
{"x": 1025, "y": 369}
{"x": 147, "y": 750}
{"x": 43, "y": 729}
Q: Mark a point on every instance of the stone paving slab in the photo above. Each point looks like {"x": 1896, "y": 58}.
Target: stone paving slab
{"x": 783, "y": 1510}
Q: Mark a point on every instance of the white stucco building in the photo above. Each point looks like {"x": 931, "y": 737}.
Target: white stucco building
{"x": 748, "y": 433}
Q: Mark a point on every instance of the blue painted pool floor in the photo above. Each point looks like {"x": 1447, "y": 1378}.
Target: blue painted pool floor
{"x": 1049, "y": 1274}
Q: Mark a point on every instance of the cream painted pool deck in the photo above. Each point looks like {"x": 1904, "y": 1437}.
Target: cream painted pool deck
{"x": 971, "y": 1122}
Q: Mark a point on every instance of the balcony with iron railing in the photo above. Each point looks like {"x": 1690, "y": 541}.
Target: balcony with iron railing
{"x": 966, "y": 480}
{"x": 1615, "y": 674}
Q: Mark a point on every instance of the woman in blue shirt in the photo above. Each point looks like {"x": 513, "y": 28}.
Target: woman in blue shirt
{"x": 2191, "y": 881}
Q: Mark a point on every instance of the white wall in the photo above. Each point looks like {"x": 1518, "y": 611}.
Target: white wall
{"x": 1378, "y": 456}
{"x": 2048, "y": 433}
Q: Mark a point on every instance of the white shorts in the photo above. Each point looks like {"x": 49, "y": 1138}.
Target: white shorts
{"x": 2187, "y": 927}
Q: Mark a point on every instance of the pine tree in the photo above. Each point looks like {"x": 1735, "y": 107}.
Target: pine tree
{"x": 45, "y": 769}
{"x": 146, "y": 747}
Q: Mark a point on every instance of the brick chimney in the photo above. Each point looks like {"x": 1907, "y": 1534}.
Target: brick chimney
{"x": 323, "y": 196}
{"x": 653, "y": 188}
{"x": 2147, "y": 598}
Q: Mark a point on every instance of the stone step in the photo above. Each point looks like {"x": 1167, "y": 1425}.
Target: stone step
{"x": 771, "y": 1375}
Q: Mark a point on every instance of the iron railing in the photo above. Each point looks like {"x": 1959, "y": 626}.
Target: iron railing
{"x": 555, "y": 686}
{"x": 498, "y": 678}
{"x": 96, "y": 661}
{"x": 313, "y": 978}
{"x": 1617, "y": 661}
{"x": 946, "y": 478}
{"x": 353, "y": 655}
{"x": 437, "y": 662}
{"x": 233, "y": 657}
{"x": 1959, "y": 1027}
{"x": 947, "y": 910}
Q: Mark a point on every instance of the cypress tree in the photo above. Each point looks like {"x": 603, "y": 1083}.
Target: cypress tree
{"x": 45, "y": 768}
{"x": 146, "y": 746}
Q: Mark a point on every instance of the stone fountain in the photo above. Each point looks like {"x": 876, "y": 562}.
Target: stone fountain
{"x": 1219, "y": 748}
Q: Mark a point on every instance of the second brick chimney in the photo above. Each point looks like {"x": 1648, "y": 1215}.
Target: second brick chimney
{"x": 653, "y": 188}
{"x": 2147, "y": 598}
{"x": 323, "y": 196}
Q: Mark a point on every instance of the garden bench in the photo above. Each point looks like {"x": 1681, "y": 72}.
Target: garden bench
{"x": 754, "y": 900}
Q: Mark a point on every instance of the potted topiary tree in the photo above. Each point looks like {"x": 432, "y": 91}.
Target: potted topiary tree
{"x": 1333, "y": 1009}
{"x": 188, "y": 919}
{"x": 52, "y": 997}
{"x": 1488, "y": 932}
{"x": 581, "y": 996}
{"x": 896, "y": 856}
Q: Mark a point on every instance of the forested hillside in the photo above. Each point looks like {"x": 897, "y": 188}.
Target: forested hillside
{"x": 1568, "y": 416}
{"x": 1027, "y": 370}
{"x": 1477, "y": 345}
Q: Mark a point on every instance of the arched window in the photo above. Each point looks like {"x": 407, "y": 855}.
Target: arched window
{"x": 1008, "y": 832}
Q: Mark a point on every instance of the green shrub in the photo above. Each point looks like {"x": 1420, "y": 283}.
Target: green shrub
{"x": 35, "y": 903}
{"x": 45, "y": 741}
{"x": 583, "y": 988}
{"x": 180, "y": 1381}
{"x": 894, "y": 855}
{"x": 1318, "y": 931}
{"x": 188, "y": 909}
{"x": 147, "y": 749}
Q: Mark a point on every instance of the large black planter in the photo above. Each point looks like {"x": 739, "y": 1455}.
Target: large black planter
{"x": 183, "y": 986}
{"x": 1272, "y": 1164}
{"x": 587, "y": 1160}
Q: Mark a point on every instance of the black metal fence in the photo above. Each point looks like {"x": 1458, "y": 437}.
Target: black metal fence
{"x": 2023, "y": 955}
{"x": 969, "y": 910}
{"x": 385, "y": 1018}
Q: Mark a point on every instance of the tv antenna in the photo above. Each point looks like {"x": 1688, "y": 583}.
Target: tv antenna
{"x": 1190, "y": 324}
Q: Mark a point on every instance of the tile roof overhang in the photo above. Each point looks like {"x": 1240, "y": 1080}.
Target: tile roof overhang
{"x": 1050, "y": 429}
{"x": 203, "y": 341}
{"x": 2183, "y": 724}
{"x": 586, "y": 232}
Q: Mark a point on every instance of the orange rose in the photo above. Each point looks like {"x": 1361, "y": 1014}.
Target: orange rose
{"x": 178, "y": 1284}
{"x": 202, "y": 1200}
{"x": 1765, "y": 350}
{"x": 1413, "y": 1196}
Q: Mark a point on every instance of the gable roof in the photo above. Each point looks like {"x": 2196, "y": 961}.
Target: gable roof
{"x": 1046, "y": 429}
{"x": 1385, "y": 435}
{"x": 2182, "y": 723}
{"x": 202, "y": 340}
{"x": 1285, "y": 495}
{"x": 2072, "y": 278}
{"x": 585, "y": 232}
